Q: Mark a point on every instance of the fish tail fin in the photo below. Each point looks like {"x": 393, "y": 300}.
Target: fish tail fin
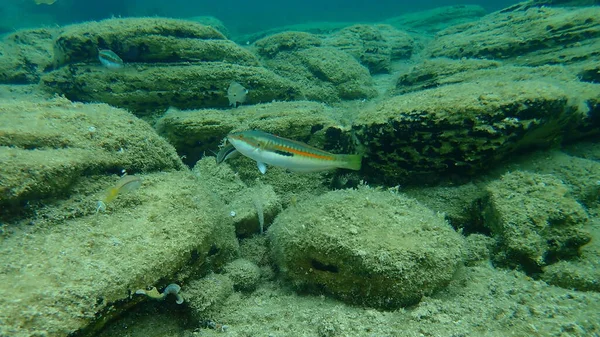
{"x": 350, "y": 161}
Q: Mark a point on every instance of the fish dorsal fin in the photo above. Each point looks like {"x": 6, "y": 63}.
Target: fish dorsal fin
{"x": 262, "y": 167}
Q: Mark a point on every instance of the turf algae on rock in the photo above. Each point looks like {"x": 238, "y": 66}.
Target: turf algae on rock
{"x": 534, "y": 221}
{"x": 46, "y": 147}
{"x": 546, "y": 36}
{"x": 468, "y": 127}
{"x": 74, "y": 273}
{"x": 152, "y": 87}
{"x": 366, "y": 246}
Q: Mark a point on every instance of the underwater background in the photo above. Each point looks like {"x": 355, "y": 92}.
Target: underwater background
{"x": 239, "y": 16}
{"x": 315, "y": 168}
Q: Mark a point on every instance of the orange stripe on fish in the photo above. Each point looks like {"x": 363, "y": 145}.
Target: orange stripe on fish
{"x": 303, "y": 153}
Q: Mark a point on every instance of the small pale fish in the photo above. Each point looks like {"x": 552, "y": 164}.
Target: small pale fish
{"x": 226, "y": 152}
{"x": 126, "y": 184}
{"x": 109, "y": 59}
{"x": 295, "y": 156}
{"x": 236, "y": 93}
{"x": 44, "y": 2}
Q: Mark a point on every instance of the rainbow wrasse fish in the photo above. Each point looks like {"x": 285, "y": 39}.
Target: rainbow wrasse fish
{"x": 268, "y": 149}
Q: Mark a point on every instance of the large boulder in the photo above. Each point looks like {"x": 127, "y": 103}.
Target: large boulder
{"x": 536, "y": 36}
{"x": 167, "y": 63}
{"x": 324, "y": 74}
{"x": 467, "y": 127}
{"x": 374, "y": 46}
{"x": 149, "y": 88}
{"x": 434, "y": 20}
{"x": 366, "y": 247}
{"x": 148, "y": 40}
{"x": 534, "y": 220}
{"x": 46, "y": 147}
{"x": 73, "y": 269}
{"x": 26, "y": 54}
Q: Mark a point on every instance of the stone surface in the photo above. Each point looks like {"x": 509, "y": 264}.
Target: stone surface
{"x": 207, "y": 295}
{"x": 272, "y": 45}
{"x": 147, "y": 40}
{"x": 467, "y": 127}
{"x": 435, "y": 72}
{"x": 434, "y": 20}
{"x": 534, "y": 221}
{"x": 47, "y": 146}
{"x": 244, "y": 203}
{"x": 167, "y": 63}
{"x": 325, "y": 74}
{"x": 25, "y": 55}
{"x": 144, "y": 89}
{"x": 71, "y": 272}
{"x": 244, "y": 274}
{"x": 536, "y": 36}
{"x": 374, "y": 46}
{"x": 366, "y": 247}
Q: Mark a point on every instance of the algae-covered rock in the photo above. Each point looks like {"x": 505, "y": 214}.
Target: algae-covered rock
{"x": 459, "y": 203}
{"x": 243, "y": 273}
{"x": 374, "y": 46}
{"x": 251, "y": 209}
{"x": 590, "y": 72}
{"x": 581, "y": 273}
{"x": 534, "y": 221}
{"x": 45, "y": 147}
{"x": 536, "y": 36}
{"x": 149, "y": 88}
{"x": 71, "y": 273}
{"x": 25, "y": 55}
{"x": 148, "y": 40}
{"x": 254, "y": 209}
{"x": 466, "y": 127}
{"x": 324, "y": 74}
{"x": 580, "y": 174}
{"x": 549, "y": 3}
{"x": 432, "y": 73}
{"x": 286, "y": 42}
{"x": 207, "y": 295}
{"x": 436, "y": 19}
{"x": 367, "y": 247}
{"x": 477, "y": 249}
{"x": 212, "y": 22}
{"x": 436, "y": 72}
{"x": 195, "y": 132}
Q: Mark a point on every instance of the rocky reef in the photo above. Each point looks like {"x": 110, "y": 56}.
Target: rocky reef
{"x": 475, "y": 212}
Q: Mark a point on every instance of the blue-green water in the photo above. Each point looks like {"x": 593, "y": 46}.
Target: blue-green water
{"x": 240, "y": 16}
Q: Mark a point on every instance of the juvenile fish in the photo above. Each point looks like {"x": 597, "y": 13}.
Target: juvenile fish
{"x": 236, "y": 93}
{"x": 109, "y": 59}
{"x": 295, "y": 156}
{"x": 125, "y": 185}
{"x": 226, "y": 152}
